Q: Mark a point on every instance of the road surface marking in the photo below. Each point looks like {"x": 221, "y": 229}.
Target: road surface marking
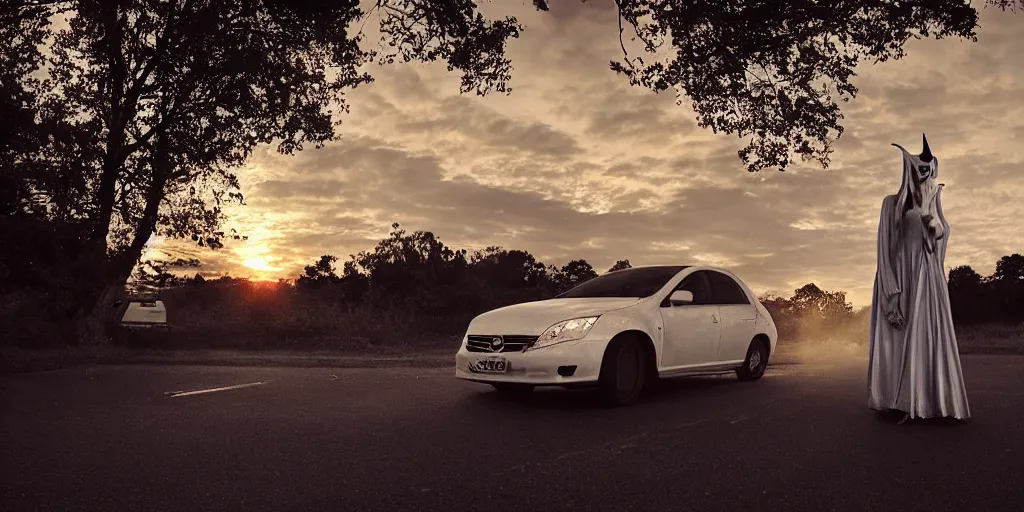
{"x": 173, "y": 394}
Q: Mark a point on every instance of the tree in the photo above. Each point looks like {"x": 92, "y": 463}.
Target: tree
{"x": 320, "y": 273}
{"x": 620, "y": 265}
{"x": 813, "y": 314}
{"x": 151, "y": 105}
{"x": 811, "y": 300}
{"x": 574, "y": 273}
{"x": 777, "y": 71}
{"x": 513, "y": 269}
{"x": 1007, "y": 287}
{"x": 1010, "y": 269}
{"x": 964, "y": 278}
{"x": 775, "y": 304}
{"x": 969, "y": 297}
{"x": 411, "y": 269}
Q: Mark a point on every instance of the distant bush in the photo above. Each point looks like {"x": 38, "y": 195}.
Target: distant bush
{"x": 31, "y": 319}
{"x": 813, "y": 315}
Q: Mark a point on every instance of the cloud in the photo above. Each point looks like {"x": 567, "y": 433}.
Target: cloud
{"x": 485, "y": 129}
{"x": 576, "y": 164}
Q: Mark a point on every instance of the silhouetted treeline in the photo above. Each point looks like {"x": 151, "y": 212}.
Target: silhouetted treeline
{"x": 412, "y": 289}
{"x": 996, "y": 298}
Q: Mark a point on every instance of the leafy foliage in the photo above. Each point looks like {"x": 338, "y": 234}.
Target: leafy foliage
{"x": 620, "y": 265}
{"x": 510, "y": 269}
{"x": 21, "y": 34}
{"x": 1010, "y": 268}
{"x": 156, "y": 274}
{"x": 814, "y": 315}
{"x": 451, "y": 30}
{"x": 777, "y": 71}
{"x": 320, "y": 273}
{"x": 995, "y": 298}
{"x": 573, "y": 274}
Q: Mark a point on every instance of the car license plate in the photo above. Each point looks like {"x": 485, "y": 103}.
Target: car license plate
{"x": 491, "y": 365}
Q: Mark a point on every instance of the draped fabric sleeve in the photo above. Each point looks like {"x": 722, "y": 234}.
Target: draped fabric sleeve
{"x": 887, "y": 268}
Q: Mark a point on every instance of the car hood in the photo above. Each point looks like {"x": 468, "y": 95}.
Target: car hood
{"x": 533, "y": 318}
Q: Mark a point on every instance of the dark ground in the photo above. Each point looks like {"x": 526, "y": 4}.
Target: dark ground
{"x": 108, "y": 438}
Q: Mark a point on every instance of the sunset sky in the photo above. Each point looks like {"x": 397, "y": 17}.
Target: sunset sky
{"x": 577, "y": 164}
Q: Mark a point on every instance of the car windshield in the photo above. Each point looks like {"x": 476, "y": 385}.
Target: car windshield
{"x": 631, "y": 282}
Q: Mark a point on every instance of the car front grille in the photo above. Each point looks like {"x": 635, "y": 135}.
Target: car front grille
{"x": 510, "y": 342}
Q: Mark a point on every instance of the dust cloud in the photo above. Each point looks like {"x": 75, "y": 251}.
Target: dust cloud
{"x": 811, "y": 339}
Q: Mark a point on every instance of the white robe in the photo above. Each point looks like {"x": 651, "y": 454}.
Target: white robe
{"x": 914, "y": 369}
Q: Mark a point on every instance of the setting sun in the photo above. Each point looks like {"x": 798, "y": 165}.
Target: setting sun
{"x": 259, "y": 263}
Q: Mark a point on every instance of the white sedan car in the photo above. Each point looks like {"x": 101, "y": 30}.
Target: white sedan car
{"x": 622, "y": 330}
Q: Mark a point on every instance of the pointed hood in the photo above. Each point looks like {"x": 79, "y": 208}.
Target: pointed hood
{"x": 926, "y": 153}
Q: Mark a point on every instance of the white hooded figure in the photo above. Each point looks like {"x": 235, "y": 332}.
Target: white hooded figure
{"x": 914, "y": 365}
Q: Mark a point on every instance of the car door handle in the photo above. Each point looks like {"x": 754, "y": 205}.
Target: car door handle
{"x": 714, "y": 319}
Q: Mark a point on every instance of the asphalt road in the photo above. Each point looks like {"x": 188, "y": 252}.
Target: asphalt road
{"x": 109, "y": 438}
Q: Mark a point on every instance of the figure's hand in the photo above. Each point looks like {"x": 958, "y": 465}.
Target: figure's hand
{"x": 933, "y": 231}
{"x": 935, "y": 225}
{"x": 893, "y": 311}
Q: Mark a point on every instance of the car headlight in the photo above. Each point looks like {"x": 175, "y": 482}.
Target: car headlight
{"x": 567, "y": 330}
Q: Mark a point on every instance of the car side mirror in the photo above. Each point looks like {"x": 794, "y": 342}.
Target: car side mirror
{"x": 680, "y": 298}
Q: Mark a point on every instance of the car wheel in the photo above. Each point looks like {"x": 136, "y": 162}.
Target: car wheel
{"x": 511, "y": 388}
{"x": 756, "y": 361}
{"x": 623, "y": 373}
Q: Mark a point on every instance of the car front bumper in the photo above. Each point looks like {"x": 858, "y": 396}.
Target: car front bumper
{"x": 539, "y": 367}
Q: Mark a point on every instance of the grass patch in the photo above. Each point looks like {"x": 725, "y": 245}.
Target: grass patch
{"x": 994, "y": 338}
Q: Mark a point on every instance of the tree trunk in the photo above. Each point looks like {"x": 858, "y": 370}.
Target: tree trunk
{"x": 97, "y": 317}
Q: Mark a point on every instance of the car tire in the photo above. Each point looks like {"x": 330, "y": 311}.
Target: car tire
{"x": 756, "y": 362}
{"x": 512, "y": 388}
{"x": 623, "y": 373}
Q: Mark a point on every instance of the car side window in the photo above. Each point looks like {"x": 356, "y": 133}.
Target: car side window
{"x": 726, "y": 291}
{"x": 697, "y": 284}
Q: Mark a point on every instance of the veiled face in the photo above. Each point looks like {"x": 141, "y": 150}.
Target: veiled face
{"x": 923, "y": 171}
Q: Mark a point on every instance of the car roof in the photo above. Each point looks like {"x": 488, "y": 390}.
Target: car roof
{"x": 673, "y": 268}
{"x": 680, "y": 268}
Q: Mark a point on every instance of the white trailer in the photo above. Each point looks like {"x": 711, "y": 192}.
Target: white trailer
{"x": 143, "y": 314}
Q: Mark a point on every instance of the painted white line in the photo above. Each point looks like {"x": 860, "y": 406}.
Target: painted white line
{"x": 173, "y": 394}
